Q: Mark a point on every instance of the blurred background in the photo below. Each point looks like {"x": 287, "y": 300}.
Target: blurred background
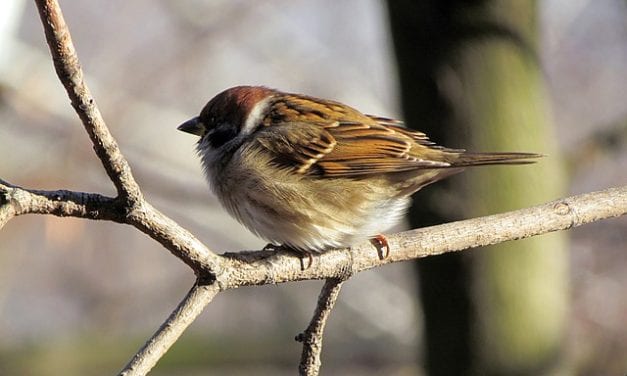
{"x": 79, "y": 297}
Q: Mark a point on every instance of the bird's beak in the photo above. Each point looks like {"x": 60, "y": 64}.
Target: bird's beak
{"x": 193, "y": 126}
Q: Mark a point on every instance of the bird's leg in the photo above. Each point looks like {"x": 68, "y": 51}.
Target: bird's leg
{"x": 381, "y": 243}
{"x": 297, "y": 252}
{"x": 309, "y": 258}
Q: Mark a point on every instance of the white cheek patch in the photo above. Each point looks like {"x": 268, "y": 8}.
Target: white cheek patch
{"x": 255, "y": 116}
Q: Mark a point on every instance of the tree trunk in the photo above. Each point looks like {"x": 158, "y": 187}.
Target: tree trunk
{"x": 470, "y": 78}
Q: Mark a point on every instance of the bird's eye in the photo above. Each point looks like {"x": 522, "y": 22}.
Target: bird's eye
{"x": 221, "y": 134}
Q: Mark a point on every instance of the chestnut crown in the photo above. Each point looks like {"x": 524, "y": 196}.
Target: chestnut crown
{"x": 224, "y": 115}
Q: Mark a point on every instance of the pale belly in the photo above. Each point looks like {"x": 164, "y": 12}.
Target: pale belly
{"x": 310, "y": 214}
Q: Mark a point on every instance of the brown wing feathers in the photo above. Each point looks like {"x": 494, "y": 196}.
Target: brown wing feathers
{"x": 336, "y": 145}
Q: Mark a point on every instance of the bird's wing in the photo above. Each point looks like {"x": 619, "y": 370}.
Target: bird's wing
{"x": 341, "y": 149}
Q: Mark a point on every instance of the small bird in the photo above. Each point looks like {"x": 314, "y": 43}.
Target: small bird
{"x": 311, "y": 174}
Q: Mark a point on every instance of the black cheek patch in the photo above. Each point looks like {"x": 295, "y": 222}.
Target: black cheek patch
{"x": 222, "y": 134}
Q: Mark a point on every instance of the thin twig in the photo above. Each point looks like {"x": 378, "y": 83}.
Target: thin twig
{"x": 312, "y": 336}
{"x": 185, "y": 313}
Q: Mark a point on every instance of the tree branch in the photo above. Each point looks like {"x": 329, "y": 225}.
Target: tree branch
{"x": 62, "y": 203}
{"x": 16, "y": 201}
{"x": 312, "y": 336}
{"x": 185, "y": 313}
{"x": 263, "y": 267}
{"x": 130, "y": 202}
{"x": 248, "y": 268}
{"x": 257, "y": 268}
{"x": 70, "y": 73}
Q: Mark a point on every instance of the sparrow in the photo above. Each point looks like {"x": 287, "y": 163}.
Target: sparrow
{"x": 312, "y": 174}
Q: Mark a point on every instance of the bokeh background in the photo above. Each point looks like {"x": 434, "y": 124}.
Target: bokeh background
{"x": 79, "y": 297}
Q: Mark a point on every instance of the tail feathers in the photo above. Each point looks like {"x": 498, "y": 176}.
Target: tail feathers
{"x": 480, "y": 159}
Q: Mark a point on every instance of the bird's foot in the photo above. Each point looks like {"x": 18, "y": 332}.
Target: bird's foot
{"x": 381, "y": 244}
{"x": 297, "y": 252}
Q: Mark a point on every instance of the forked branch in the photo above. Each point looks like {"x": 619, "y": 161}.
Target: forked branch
{"x": 129, "y": 202}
